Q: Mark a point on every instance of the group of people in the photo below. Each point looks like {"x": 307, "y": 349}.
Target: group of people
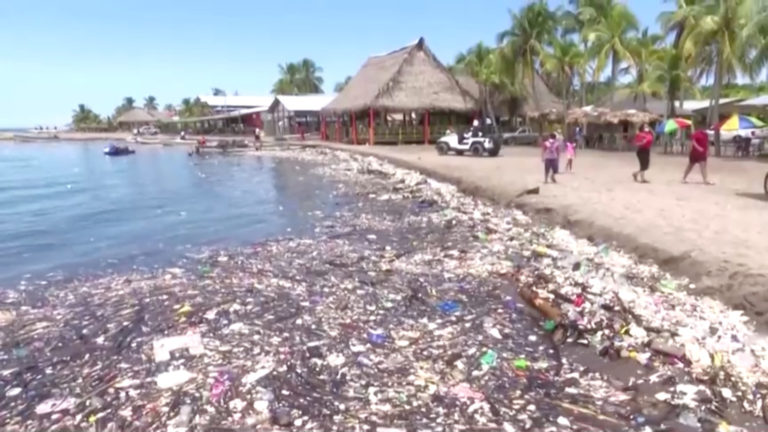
{"x": 699, "y": 151}
{"x": 554, "y": 145}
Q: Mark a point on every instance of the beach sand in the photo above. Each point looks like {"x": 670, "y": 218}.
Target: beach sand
{"x": 715, "y": 235}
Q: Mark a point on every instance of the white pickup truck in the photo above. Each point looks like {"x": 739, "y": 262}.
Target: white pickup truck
{"x": 523, "y": 135}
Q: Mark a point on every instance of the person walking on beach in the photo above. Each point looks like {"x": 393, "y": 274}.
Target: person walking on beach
{"x": 550, "y": 154}
{"x": 643, "y": 141}
{"x": 698, "y": 156}
{"x": 570, "y": 153}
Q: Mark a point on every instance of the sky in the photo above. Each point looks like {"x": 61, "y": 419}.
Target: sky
{"x": 56, "y": 54}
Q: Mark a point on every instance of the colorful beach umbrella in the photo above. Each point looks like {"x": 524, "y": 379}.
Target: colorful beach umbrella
{"x": 738, "y": 121}
{"x": 672, "y": 125}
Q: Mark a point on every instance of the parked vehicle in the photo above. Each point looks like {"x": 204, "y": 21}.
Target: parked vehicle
{"x": 148, "y": 130}
{"x": 476, "y": 145}
{"x": 522, "y": 136}
{"x": 730, "y": 135}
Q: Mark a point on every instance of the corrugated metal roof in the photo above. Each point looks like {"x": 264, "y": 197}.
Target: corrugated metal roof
{"x": 760, "y": 101}
{"x": 306, "y": 103}
{"x": 697, "y": 104}
{"x": 238, "y": 101}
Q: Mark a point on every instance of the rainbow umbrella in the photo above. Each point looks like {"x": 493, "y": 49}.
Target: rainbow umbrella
{"x": 738, "y": 121}
{"x": 672, "y": 125}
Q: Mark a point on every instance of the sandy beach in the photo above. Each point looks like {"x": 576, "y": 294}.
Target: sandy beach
{"x": 715, "y": 235}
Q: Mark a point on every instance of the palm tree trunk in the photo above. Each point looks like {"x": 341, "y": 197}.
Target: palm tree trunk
{"x": 566, "y": 105}
{"x": 489, "y": 107}
{"x": 716, "y": 95}
{"x": 614, "y": 73}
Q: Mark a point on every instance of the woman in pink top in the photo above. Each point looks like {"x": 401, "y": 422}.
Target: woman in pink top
{"x": 550, "y": 154}
{"x": 570, "y": 153}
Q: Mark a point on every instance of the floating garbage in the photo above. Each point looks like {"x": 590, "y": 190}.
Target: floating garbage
{"x": 396, "y": 314}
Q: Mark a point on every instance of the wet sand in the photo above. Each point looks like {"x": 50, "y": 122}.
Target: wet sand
{"x": 715, "y": 235}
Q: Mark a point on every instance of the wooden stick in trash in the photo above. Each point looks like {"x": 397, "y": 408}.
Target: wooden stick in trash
{"x": 543, "y": 306}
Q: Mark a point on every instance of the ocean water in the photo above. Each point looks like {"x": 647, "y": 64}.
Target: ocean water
{"x": 68, "y": 210}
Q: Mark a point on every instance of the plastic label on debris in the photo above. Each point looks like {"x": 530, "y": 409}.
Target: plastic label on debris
{"x": 55, "y": 405}
{"x": 449, "y": 306}
{"x": 162, "y": 348}
{"x": 464, "y": 390}
{"x": 173, "y": 378}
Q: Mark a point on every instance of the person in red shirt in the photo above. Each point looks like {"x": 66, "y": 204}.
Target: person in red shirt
{"x": 698, "y": 155}
{"x": 643, "y": 141}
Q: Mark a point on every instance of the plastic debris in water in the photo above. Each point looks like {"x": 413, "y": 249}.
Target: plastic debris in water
{"x": 162, "y": 348}
{"x": 463, "y": 390}
{"x": 489, "y": 358}
{"x": 449, "y": 306}
{"x": 521, "y": 364}
{"x": 173, "y": 378}
{"x": 550, "y": 325}
{"x": 377, "y": 337}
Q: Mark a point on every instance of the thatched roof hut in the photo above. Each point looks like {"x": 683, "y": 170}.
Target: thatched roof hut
{"x": 544, "y": 103}
{"x": 137, "y": 116}
{"x": 408, "y": 79}
{"x": 500, "y": 104}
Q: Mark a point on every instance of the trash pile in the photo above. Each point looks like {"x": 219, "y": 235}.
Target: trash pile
{"x": 407, "y": 310}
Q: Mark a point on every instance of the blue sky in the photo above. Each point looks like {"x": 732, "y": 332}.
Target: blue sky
{"x": 56, "y": 54}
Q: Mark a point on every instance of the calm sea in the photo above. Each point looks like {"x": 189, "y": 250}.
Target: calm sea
{"x": 66, "y": 209}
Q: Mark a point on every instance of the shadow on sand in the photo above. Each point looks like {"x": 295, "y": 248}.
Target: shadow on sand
{"x": 753, "y": 195}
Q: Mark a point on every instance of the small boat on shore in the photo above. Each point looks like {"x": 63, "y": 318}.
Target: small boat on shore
{"x": 35, "y": 136}
{"x": 116, "y": 150}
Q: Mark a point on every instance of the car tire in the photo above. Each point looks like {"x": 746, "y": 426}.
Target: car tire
{"x": 442, "y": 148}
{"x": 476, "y": 149}
{"x": 765, "y": 184}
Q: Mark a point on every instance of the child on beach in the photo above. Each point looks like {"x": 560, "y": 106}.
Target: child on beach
{"x": 570, "y": 153}
{"x": 550, "y": 154}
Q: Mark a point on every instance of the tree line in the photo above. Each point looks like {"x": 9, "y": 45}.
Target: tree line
{"x": 572, "y": 48}
{"x": 83, "y": 116}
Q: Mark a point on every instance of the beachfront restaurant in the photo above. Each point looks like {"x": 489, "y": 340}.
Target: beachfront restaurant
{"x": 294, "y": 114}
{"x": 234, "y": 122}
{"x": 136, "y": 118}
{"x": 404, "y": 96}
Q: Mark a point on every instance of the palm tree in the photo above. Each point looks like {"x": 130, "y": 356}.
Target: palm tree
{"x": 564, "y": 62}
{"x": 309, "y": 77}
{"x": 482, "y": 63}
{"x": 676, "y": 22}
{"x": 288, "y": 83}
{"x": 218, "y": 92}
{"x": 169, "y": 108}
{"x": 572, "y": 24}
{"x": 84, "y": 116}
{"x": 128, "y": 102}
{"x": 646, "y": 55}
{"x": 719, "y": 30}
{"x": 531, "y": 30}
{"x": 610, "y": 27}
{"x": 340, "y": 85}
{"x": 150, "y": 103}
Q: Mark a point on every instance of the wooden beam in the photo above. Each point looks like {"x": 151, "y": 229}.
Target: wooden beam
{"x": 426, "y": 127}
{"x": 370, "y": 126}
{"x": 323, "y": 129}
{"x": 354, "y": 128}
{"x": 338, "y": 128}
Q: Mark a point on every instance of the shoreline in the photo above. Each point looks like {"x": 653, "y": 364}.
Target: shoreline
{"x": 735, "y": 283}
{"x": 412, "y": 276}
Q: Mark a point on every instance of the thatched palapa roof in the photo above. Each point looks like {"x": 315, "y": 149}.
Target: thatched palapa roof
{"x": 544, "y": 102}
{"x": 408, "y": 79}
{"x": 500, "y": 106}
{"x": 136, "y": 115}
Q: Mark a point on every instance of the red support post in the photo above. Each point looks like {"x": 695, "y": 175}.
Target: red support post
{"x": 426, "y": 127}
{"x": 370, "y": 126}
{"x": 354, "y": 129}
